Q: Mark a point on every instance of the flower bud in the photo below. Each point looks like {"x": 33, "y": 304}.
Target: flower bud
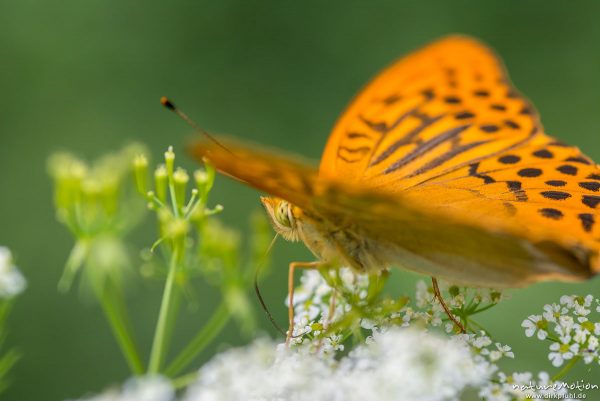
{"x": 170, "y": 161}
{"x": 140, "y": 169}
{"x": 160, "y": 182}
{"x": 180, "y": 180}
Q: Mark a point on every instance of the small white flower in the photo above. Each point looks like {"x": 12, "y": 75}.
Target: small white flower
{"x": 552, "y": 312}
{"x": 592, "y": 343}
{"x": 535, "y": 323}
{"x": 501, "y": 351}
{"x": 581, "y": 334}
{"x": 580, "y": 305}
{"x": 568, "y": 301}
{"x": 565, "y": 326}
{"x": 562, "y": 351}
{"x": 481, "y": 341}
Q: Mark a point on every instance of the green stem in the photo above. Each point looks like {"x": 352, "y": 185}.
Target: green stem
{"x": 172, "y": 315}
{"x": 119, "y": 324}
{"x": 184, "y": 381}
{"x": 210, "y": 330}
{"x": 173, "y": 197}
{"x": 567, "y": 368}
{"x": 482, "y": 309}
{"x": 74, "y": 262}
{"x": 158, "y": 344}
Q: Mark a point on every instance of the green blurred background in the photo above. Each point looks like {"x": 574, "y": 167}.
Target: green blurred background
{"x": 86, "y": 76}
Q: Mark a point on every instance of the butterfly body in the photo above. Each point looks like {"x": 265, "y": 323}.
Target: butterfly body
{"x": 439, "y": 166}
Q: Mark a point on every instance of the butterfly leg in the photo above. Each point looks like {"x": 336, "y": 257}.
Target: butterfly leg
{"x": 331, "y": 308}
{"x": 438, "y": 295}
{"x": 292, "y": 269}
{"x": 331, "y": 312}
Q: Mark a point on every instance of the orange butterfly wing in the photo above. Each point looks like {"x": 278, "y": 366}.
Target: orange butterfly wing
{"x": 430, "y": 242}
{"x": 444, "y": 128}
{"x": 437, "y": 156}
{"x": 445, "y": 105}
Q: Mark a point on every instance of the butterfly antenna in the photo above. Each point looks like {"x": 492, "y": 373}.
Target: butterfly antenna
{"x": 171, "y": 106}
{"x": 257, "y": 289}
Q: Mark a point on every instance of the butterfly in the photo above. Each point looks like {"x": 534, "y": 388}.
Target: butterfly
{"x": 439, "y": 166}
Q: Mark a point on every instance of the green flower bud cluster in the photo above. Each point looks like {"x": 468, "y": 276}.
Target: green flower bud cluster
{"x": 101, "y": 202}
{"x": 98, "y": 205}
{"x": 177, "y": 213}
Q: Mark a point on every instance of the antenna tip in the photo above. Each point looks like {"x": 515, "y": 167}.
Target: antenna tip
{"x": 167, "y": 103}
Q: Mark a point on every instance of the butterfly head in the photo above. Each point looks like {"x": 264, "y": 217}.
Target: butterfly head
{"x": 282, "y": 217}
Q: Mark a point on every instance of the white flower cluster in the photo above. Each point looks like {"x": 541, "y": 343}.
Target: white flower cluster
{"x": 147, "y": 388}
{"x": 12, "y": 281}
{"x": 314, "y": 303}
{"x": 400, "y": 365}
{"x": 316, "y": 307}
{"x": 523, "y": 387}
{"x": 572, "y": 325}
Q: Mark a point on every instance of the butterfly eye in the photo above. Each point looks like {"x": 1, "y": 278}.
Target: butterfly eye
{"x": 282, "y": 214}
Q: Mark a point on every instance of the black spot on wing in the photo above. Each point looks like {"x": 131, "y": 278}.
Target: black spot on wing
{"x": 516, "y": 188}
{"x": 473, "y": 173}
{"x": 551, "y": 213}
{"x": 590, "y": 200}
{"x": 481, "y": 93}
{"x": 529, "y": 172}
{"x": 509, "y": 159}
{"x": 489, "y": 128}
{"x": 499, "y": 107}
{"x": 463, "y": 115}
{"x": 543, "y": 154}
{"x": 567, "y": 169}
{"x": 555, "y": 195}
{"x": 590, "y": 185}
{"x": 392, "y": 99}
{"x": 526, "y": 111}
{"x": 512, "y": 124}
{"x": 556, "y": 183}
{"x": 428, "y": 94}
{"x": 452, "y": 99}
{"x": 579, "y": 159}
{"x": 587, "y": 221}
{"x": 594, "y": 177}
{"x": 356, "y": 135}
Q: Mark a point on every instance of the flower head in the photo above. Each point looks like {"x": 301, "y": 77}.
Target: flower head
{"x": 440, "y": 370}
